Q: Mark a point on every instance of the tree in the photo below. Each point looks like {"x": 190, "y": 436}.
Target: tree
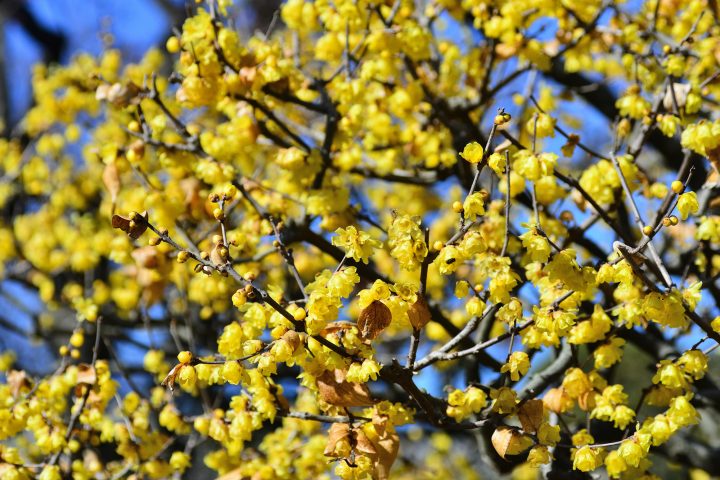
{"x": 370, "y": 242}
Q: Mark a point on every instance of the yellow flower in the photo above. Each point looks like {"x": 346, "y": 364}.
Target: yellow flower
{"x": 518, "y": 364}
{"x": 586, "y": 459}
{"x": 688, "y": 204}
{"x": 358, "y": 245}
{"x": 473, "y": 152}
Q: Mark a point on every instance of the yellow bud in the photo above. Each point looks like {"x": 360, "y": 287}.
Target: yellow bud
{"x": 77, "y": 339}
{"x": 438, "y": 245}
{"x": 457, "y": 207}
{"x": 299, "y": 314}
{"x": 677, "y": 187}
{"x": 219, "y": 214}
{"x": 183, "y": 256}
{"x": 75, "y": 354}
{"x": 647, "y": 230}
{"x": 173, "y": 44}
{"x": 184, "y": 357}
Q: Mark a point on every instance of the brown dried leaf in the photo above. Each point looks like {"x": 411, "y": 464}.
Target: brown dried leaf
{"x": 713, "y": 154}
{"x": 531, "y": 415}
{"x": 146, "y": 257}
{"x": 508, "y": 441}
{"x": 17, "y": 380}
{"x": 336, "y": 327}
{"x": 386, "y": 447}
{"x": 86, "y": 374}
{"x": 336, "y": 433}
{"x": 132, "y": 228}
{"x": 373, "y": 320}
{"x": 216, "y": 256}
{"x": 419, "y": 313}
{"x": 557, "y": 400}
{"x": 363, "y": 443}
{"x": 500, "y": 439}
{"x": 111, "y": 179}
{"x": 681, "y": 93}
{"x": 119, "y": 94}
{"x": 293, "y": 339}
{"x": 335, "y": 390}
{"x": 169, "y": 381}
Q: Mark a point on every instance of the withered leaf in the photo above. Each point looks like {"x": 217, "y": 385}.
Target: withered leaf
{"x": 336, "y": 327}
{"x": 17, "y": 380}
{"x": 336, "y": 433}
{"x": 111, "y": 179}
{"x": 508, "y": 441}
{"x": 681, "y": 92}
{"x": 133, "y": 228}
{"x": 169, "y": 381}
{"x": 363, "y": 444}
{"x": 146, "y": 257}
{"x": 386, "y": 449}
{"x": 373, "y": 320}
{"x": 557, "y": 400}
{"x": 293, "y": 339}
{"x": 335, "y": 390}
{"x": 531, "y": 415}
{"x": 119, "y": 94}
{"x": 713, "y": 154}
{"x": 216, "y": 255}
{"x": 86, "y": 374}
{"x": 419, "y": 313}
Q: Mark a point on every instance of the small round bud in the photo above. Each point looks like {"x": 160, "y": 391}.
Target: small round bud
{"x": 673, "y": 220}
{"x": 74, "y": 353}
{"x": 219, "y": 214}
{"x": 647, "y": 230}
{"x": 666, "y": 49}
{"x": 223, "y": 253}
{"x": 77, "y": 339}
{"x": 230, "y": 192}
{"x": 567, "y": 216}
{"x": 299, "y": 314}
{"x": 134, "y": 126}
{"x": 183, "y": 256}
{"x": 214, "y": 197}
{"x": 438, "y": 245}
{"x": 249, "y": 276}
{"x": 63, "y": 350}
{"x": 173, "y": 44}
{"x": 667, "y": 222}
{"x": 184, "y": 357}
{"x": 204, "y": 255}
{"x": 457, "y": 206}
{"x": 239, "y": 298}
{"x": 163, "y": 232}
{"x": 154, "y": 241}
{"x": 677, "y": 187}
{"x": 216, "y": 239}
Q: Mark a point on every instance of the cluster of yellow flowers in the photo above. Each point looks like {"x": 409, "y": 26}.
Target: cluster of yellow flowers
{"x": 316, "y": 221}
